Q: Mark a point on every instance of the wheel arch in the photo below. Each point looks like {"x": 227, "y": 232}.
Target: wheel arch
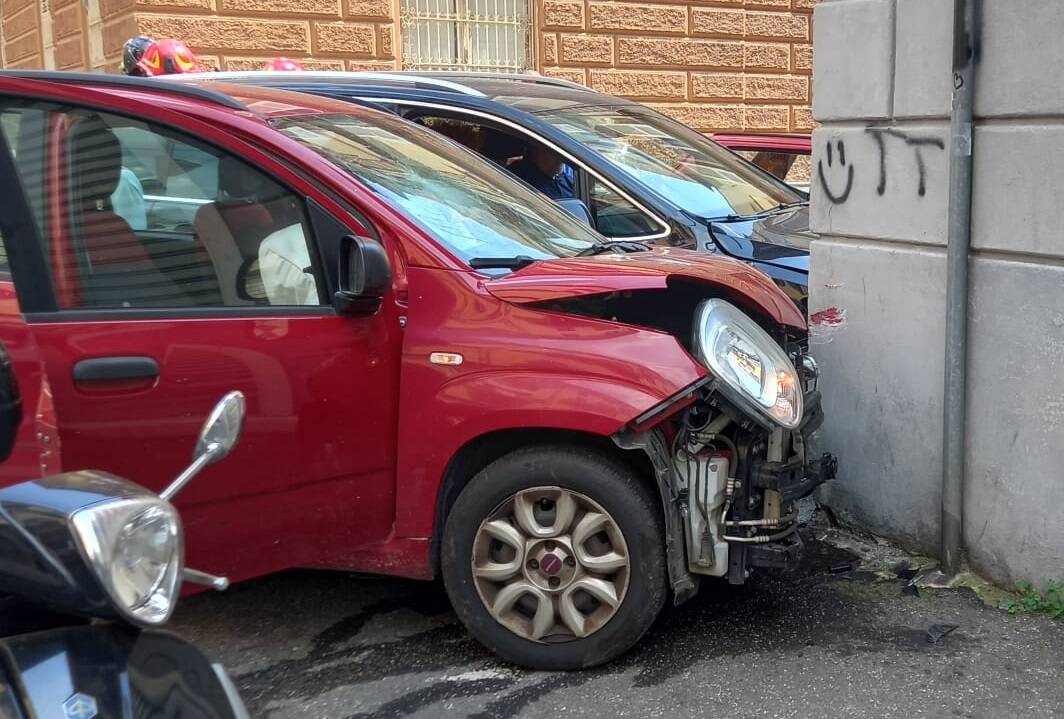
{"x": 482, "y": 450}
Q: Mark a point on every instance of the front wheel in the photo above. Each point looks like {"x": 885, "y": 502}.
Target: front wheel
{"x": 553, "y": 558}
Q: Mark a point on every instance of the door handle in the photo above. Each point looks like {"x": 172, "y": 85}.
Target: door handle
{"x": 102, "y": 369}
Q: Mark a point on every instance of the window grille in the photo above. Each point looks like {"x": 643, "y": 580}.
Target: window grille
{"x": 480, "y": 35}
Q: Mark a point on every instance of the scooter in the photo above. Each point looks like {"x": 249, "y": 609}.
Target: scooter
{"x": 92, "y": 565}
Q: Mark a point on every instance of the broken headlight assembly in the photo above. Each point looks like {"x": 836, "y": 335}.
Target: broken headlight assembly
{"x": 753, "y": 369}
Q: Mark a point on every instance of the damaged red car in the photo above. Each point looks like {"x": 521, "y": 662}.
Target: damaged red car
{"x": 445, "y": 373}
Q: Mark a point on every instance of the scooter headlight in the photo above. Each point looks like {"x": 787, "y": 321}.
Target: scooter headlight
{"x": 754, "y": 369}
{"x": 135, "y": 548}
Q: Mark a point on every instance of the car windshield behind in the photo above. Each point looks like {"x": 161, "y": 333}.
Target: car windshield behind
{"x": 678, "y": 163}
{"x": 473, "y": 208}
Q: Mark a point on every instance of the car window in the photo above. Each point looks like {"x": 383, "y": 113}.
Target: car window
{"x": 678, "y": 163}
{"x": 612, "y": 215}
{"x": 9, "y": 127}
{"x": 149, "y": 218}
{"x": 18, "y": 123}
{"x": 615, "y": 216}
{"x": 471, "y": 207}
{"x": 791, "y": 167}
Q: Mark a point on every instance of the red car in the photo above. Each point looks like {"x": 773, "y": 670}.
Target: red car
{"x": 445, "y": 373}
{"x": 785, "y": 156}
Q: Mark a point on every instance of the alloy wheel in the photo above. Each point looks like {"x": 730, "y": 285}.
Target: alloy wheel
{"x": 551, "y": 565}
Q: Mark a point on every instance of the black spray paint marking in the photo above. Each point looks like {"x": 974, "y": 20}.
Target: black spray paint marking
{"x": 845, "y": 194}
{"x": 917, "y": 143}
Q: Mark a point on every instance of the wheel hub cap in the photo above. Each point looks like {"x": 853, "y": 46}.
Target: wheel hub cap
{"x": 550, "y": 564}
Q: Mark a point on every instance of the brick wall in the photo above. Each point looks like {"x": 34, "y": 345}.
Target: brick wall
{"x": 22, "y": 34}
{"x": 713, "y": 64}
{"x": 721, "y": 65}
{"x": 244, "y": 34}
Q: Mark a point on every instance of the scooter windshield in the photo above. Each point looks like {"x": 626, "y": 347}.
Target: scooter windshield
{"x": 471, "y": 206}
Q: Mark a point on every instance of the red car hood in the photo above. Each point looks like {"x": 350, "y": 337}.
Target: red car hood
{"x": 577, "y": 276}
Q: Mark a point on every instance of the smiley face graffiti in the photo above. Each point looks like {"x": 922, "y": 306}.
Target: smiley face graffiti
{"x": 836, "y": 198}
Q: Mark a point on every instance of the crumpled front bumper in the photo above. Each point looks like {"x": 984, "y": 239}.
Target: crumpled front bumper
{"x": 807, "y": 468}
{"x": 794, "y": 478}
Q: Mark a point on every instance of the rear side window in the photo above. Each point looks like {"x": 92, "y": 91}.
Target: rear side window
{"x": 791, "y": 167}
{"x": 140, "y": 216}
{"x": 19, "y": 125}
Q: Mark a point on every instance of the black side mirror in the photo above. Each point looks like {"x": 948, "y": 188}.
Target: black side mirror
{"x": 365, "y": 276}
{"x": 578, "y": 209}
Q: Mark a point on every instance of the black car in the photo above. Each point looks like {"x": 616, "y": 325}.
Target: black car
{"x": 644, "y": 176}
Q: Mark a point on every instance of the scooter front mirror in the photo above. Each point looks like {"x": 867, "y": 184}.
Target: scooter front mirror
{"x": 219, "y": 435}
{"x": 221, "y": 431}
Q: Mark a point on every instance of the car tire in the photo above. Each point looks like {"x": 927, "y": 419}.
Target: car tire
{"x": 578, "y": 593}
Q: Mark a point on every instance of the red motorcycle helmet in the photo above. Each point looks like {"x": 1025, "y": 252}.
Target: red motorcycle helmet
{"x": 283, "y": 64}
{"x": 168, "y": 57}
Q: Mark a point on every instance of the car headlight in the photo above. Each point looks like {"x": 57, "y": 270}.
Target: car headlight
{"x": 753, "y": 368}
{"x": 135, "y": 547}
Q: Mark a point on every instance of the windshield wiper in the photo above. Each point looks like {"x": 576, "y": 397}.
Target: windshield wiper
{"x": 760, "y": 214}
{"x": 504, "y": 263}
{"x": 789, "y": 205}
{"x": 620, "y": 247}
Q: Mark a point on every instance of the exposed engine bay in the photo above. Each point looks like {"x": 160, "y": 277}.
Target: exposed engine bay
{"x": 732, "y": 485}
{"x": 730, "y": 473}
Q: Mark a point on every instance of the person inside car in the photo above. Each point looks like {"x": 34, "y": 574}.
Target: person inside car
{"x": 545, "y": 171}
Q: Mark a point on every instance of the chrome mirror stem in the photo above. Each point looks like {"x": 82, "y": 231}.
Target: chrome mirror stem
{"x": 208, "y": 580}
{"x": 190, "y": 472}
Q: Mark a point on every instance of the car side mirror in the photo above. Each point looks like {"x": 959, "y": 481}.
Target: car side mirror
{"x": 578, "y": 209}
{"x": 365, "y": 276}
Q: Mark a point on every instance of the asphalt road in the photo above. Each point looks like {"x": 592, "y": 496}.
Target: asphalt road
{"x": 810, "y": 644}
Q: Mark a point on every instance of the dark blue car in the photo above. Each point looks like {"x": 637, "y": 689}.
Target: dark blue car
{"x": 642, "y": 175}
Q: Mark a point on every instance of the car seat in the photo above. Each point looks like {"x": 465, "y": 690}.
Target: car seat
{"x": 116, "y": 268}
{"x": 234, "y": 225}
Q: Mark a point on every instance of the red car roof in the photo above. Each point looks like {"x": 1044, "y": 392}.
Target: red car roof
{"x": 801, "y": 144}
{"x": 266, "y": 102}
{"x": 272, "y": 102}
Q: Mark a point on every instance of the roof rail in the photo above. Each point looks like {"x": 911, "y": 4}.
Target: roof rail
{"x": 509, "y": 76}
{"x": 435, "y": 82}
{"x": 133, "y": 83}
{"x": 337, "y": 75}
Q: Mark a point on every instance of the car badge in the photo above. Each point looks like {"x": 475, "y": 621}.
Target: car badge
{"x": 79, "y": 706}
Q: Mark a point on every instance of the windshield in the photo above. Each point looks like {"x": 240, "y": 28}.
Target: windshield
{"x": 680, "y": 164}
{"x": 473, "y": 208}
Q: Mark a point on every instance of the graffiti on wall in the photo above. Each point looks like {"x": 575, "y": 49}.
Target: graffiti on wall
{"x": 836, "y": 176}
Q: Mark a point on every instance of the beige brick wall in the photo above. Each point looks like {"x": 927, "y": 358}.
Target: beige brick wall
{"x": 720, "y": 65}
{"x": 22, "y": 33}
{"x": 245, "y": 34}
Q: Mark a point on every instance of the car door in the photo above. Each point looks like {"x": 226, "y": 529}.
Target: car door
{"x": 145, "y": 323}
{"x": 36, "y": 442}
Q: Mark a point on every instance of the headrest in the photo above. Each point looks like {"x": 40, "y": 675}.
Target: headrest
{"x": 97, "y": 162}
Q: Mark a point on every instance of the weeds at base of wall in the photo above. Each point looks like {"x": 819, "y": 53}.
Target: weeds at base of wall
{"x": 1048, "y": 601}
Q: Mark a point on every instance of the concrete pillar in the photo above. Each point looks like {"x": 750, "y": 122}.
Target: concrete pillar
{"x": 882, "y": 85}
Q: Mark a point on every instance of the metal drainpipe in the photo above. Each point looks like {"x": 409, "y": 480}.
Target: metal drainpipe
{"x": 965, "y": 56}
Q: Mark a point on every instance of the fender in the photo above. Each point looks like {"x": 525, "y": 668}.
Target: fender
{"x": 485, "y": 402}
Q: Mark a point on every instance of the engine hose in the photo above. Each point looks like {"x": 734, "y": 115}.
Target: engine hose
{"x": 787, "y": 519}
{"x": 764, "y": 538}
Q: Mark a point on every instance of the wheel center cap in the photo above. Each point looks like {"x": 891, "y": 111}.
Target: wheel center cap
{"x": 550, "y": 564}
